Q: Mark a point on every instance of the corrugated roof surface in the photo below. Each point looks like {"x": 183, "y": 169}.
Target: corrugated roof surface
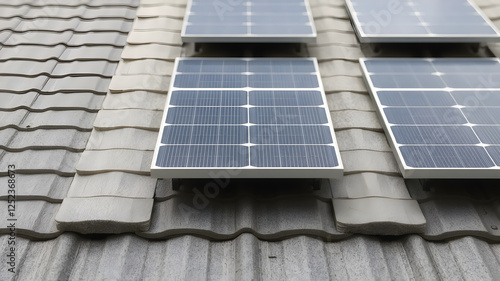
{"x": 254, "y": 223}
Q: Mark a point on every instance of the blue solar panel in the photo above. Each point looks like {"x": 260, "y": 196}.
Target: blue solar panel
{"x": 253, "y": 128}
{"x": 420, "y": 21}
{"x": 447, "y": 125}
{"x": 248, "y": 21}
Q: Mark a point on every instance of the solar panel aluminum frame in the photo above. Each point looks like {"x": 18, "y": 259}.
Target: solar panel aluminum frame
{"x": 421, "y": 173}
{"x": 425, "y": 38}
{"x": 245, "y": 38}
{"x": 250, "y": 171}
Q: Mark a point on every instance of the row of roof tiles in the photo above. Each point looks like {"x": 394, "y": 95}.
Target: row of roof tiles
{"x": 127, "y": 257}
{"x": 132, "y": 108}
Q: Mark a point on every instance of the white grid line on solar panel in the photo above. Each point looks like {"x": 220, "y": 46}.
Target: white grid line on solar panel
{"x": 265, "y": 132}
{"x": 440, "y": 132}
{"x": 420, "y": 21}
{"x": 248, "y": 21}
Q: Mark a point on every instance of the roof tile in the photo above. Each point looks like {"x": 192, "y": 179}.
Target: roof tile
{"x": 369, "y": 185}
{"x": 357, "y": 139}
{"x": 120, "y": 160}
{"x": 360, "y": 161}
{"x": 159, "y": 37}
{"x": 379, "y": 216}
{"x": 58, "y": 161}
{"x": 136, "y": 99}
{"x": 145, "y": 66}
{"x": 116, "y": 184}
{"x": 355, "y": 119}
{"x": 160, "y": 11}
{"x": 47, "y": 187}
{"x": 104, "y": 214}
{"x": 154, "y": 83}
{"x": 128, "y": 138}
{"x": 128, "y": 118}
{"x": 151, "y": 51}
{"x": 158, "y": 23}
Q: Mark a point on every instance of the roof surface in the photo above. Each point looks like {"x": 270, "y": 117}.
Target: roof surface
{"x": 82, "y": 100}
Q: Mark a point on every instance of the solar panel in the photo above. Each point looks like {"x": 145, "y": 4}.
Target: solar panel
{"x": 257, "y": 118}
{"x": 442, "y": 116}
{"x": 250, "y": 21}
{"x": 400, "y": 21}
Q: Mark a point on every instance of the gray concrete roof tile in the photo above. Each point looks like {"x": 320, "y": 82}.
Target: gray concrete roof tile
{"x": 339, "y": 68}
{"x": 448, "y": 218}
{"x": 59, "y": 119}
{"x": 113, "y": 38}
{"x": 158, "y": 23}
{"x": 145, "y": 66}
{"x": 69, "y": 139}
{"x": 58, "y": 161}
{"x": 160, "y": 37}
{"x": 107, "y": 53}
{"x": 161, "y": 11}
{"x": 332, "y": 52}
{"x": 12, "y": 101}
{"x": 116, "y": 184}
{"x": 378, "y": 216}
{"x": 28, "y": 52}
{"x": 337, "y": 38}
{"x": 126, "y": 83}
{"x": 38, "y": 223}
{"x": 127, "y": 138}
{"x": 50, "y": 24}
{"x": 97, "y": 85}
{"x": 355, "y": 119}
{"x": 69, "y": 101}
{"x": 350, "y": 102}
{"x": 85, "y": 68}
{"x": 151, "y": 51}
{"x": 333, "y": 24}
{"x": 39, "y": 38}
{"x": 71, "y": 256}
{"x": 17, "y": 84}
{"x": 365, "y": 185}
{"x": 360, "y": 161}
{"x": 119, "y": 160}
{"x": 135, "y": 100}
{"x": 104, "y": 214}
{"x": 47, "y": 187}
{"x": 128, "y": 118}
{"x": 357, "y": 139}
{"x": 327, "y": 11}
{"x": 27, "y": 68}
{"x": 344, "y": 84}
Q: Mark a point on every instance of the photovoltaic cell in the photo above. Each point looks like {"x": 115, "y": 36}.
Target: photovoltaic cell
{"x": 399, "y": 21}
{"x": 274, "y": 123}
{"x": 254, "y": 21}
{"x": 440, "y": 127}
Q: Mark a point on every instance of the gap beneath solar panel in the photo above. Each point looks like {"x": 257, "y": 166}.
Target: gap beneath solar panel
{"x": 441, "y": 116}
{"x": 428, "y": 21}
{"x": 251, "y": 118}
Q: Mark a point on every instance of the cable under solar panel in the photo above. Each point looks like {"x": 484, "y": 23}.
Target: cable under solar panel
{"x": 252, "y": 21}
{"x": 441, "y": 116}
{"x": 422, "y": 21}
{"x": 259, "y": 118}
